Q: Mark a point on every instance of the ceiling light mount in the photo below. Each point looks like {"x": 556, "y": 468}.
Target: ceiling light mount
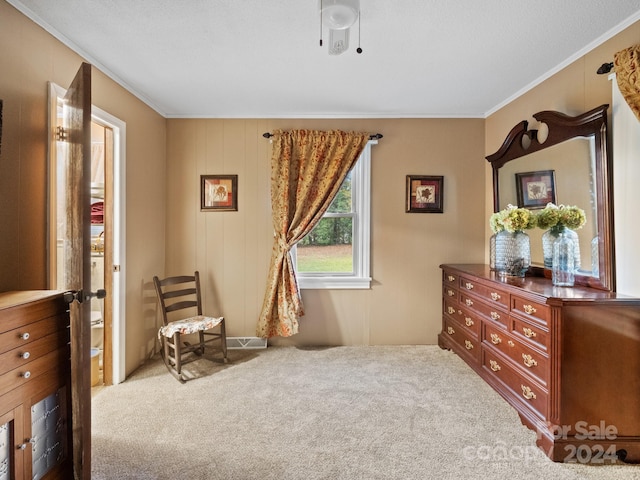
{"x": 339, "y": 16}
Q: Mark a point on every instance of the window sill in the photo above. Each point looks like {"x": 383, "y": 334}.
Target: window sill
{"x": 336, "y": 283}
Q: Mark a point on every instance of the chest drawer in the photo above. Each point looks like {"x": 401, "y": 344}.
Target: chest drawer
{"x": 490, "y": 294}
{"x": 531, "y": 333}
{"x": 462, "y": 337}
{"x": 26, "y": 373}
{"x": 467, "y": 319}
{"x": 530, "y": 393}
{"x": 535, "y": 311}
{"x": 449, "y": 278}
{"x": 448, "y": 291}
{"x": 33, "y": 350}
{"x": 528, "y": 359}
{"x": 21, "y": 336}
{"x": 493, "y": 312}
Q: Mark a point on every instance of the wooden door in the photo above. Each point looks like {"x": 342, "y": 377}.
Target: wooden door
{"x": 77, "y": 267}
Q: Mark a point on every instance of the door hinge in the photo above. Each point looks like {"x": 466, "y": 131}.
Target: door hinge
{"x": 116, "y": 268}
{"x": 61, "y": 134}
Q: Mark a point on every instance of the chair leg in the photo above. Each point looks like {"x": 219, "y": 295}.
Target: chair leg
{"x": 166, "y": 357}
{"x": 201, "y": 352}
{"x": 177, "y": 351}
{"x": 223, "y": 341}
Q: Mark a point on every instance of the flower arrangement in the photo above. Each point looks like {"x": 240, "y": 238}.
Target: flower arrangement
{"x": 512, "y": 219}
{"x": 557, "y": 216}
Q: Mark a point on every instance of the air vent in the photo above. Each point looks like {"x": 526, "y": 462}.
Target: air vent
{"x": 246, "y": 342}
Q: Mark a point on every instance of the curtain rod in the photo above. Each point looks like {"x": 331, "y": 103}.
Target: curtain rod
{"x": 375, "y": 136}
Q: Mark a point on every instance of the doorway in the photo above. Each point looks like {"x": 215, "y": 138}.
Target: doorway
{"x": 108, "y": 135}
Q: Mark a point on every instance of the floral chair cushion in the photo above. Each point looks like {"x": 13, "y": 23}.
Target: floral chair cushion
{"x": 189, "y": 325}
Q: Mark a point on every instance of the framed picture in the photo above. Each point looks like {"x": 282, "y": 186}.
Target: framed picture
{"x": 219, "y": 193}
{"x": 536, "y": 189}
{"x": 424, "y": 194}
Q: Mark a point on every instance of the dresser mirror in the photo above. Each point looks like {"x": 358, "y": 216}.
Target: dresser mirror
{"x": 570, "y": 154}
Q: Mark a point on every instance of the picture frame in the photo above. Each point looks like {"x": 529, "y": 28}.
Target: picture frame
{"x": 535, "y": 189}
{"x": 219, "y": 193}
{"x": 424, "y": 194}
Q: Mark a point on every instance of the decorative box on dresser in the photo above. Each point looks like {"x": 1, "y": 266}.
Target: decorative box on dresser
{"x": 35, "y": 440}
{"x": 566, "y": 358}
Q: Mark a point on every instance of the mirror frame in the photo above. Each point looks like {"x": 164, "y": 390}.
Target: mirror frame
{"x": 561, "y": 128}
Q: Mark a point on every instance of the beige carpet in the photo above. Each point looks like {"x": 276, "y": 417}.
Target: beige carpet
{"x": 406, "y": 412}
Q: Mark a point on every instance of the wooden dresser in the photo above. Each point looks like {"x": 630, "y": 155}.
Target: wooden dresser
{"x": 35, "y": 440}
{"x": 566, "y": 358}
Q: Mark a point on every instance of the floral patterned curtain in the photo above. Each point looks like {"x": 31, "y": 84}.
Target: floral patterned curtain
{"x": 307, "y": 170}
{"x": 626, "y": 64}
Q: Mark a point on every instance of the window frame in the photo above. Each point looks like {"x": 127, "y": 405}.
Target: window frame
{"x": 361, "y": 242}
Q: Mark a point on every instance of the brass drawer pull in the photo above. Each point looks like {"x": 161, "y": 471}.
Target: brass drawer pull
{"x": 450, "y": 330}
{"x": 450, "y": 292}
{"x": 468, "y": 321}
{"x": 468, "y": 286}
{"x": 494, "y": 365}
{"x": 511, "y": 344}
{"x": 528, "y": 332}
{"x": 469, "y": 302}
{"x": 468, "y": 345}
{"x": 529, "y": 361}
{"x": 451, "y": 278}
{"x": 495, "y": 296}
{"x": 451, "y": 310}
{"x": 530, "y": 309}
{"x": 495, "y": 315}
{"x": 495, "y": 339}
{"x": 528, "y": 393}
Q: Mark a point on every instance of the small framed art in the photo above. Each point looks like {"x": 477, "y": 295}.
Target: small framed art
{"x": 219, "y": 193}
{"x": 425, "y": 194}
{"x": 536, "y": 189}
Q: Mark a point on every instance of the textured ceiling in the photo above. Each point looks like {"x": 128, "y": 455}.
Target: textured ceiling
{"x": 262, "y": 59}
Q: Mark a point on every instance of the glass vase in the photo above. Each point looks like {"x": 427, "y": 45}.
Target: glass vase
{"x": 563, "y": 266}
{"x": 492, "y": 252}
{"x": 513, "y": 253}
{"x": 550, "y": 236}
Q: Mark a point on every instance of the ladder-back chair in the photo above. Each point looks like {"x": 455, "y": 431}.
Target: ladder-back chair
{"x": 181, "y": 307}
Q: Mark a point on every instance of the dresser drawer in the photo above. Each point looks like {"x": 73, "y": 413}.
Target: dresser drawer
{"x": 531, "y": 333}
{"x": 461, "y": 336}
{"x": 538, "y": 312}
{"x": 33, "y": 350}
{"x": 531, "y": 361}
{"x": 450, "y": 307}
{"x": 448, "y": 291}
{"x": 26, "y": 373}
{"x": 526, "y": 390}
{"x": 450, "y": 279}
{"x": 31, "y": 332}
{"x": 467, "y": 319}
{"x": 489, "y": 293}
{"x": 489, "y": 311}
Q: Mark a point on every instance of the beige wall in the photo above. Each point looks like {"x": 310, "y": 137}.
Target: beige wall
{"x": 232, "y": 249}
{"x": 29, "y": 58}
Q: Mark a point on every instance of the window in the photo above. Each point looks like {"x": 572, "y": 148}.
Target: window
{"x": 335, "y": 254}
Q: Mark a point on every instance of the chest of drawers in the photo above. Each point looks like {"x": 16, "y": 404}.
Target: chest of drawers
{"x": 35, "y": 406}
{"x": 567, "y": 359}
